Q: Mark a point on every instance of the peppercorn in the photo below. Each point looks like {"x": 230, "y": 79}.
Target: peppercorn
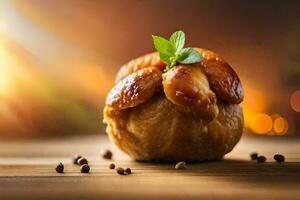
{"x": 180, "y": 165}
{"x": 107, "y": 154}
{"x": 82, "y": 161}
{"x": 128, "y": 170}
{"x": 112, "y": 166}
{"x": 254, "y": 156}
{"x": 261, "y": 159}
{"x": 85, "y": 168}
{"x": 75, "y": 159}
{"x": 120, "y": 171}
{"x": 279, "y": 158}
{"x": 60, "y": 168}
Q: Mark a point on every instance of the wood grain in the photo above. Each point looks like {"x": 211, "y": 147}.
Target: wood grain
{"x": 27, "y": 172}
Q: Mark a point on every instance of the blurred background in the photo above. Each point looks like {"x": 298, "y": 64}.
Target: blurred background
{"x": 58, "y": 58}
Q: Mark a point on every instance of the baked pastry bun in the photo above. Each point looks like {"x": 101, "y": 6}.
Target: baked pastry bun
{"x": 190, "y": 112}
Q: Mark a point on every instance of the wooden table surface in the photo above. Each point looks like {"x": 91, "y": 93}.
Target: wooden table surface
{"x": 27, "y": 172}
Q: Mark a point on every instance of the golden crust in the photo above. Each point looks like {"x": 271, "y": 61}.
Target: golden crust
{"x": 161, "y": 130}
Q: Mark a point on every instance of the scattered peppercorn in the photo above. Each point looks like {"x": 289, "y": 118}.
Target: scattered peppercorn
{"x": 261, "y": 159}
{"x": 60, "y": 168}
{"x": 75, "y": 159}
{"x": 112, "y": 166}
{"x": 120, "y": 171}
{"x": 82, "y": 161}
{"x": 128, "y": 170}
{"x": 107, "y": 154}
{"x": 254, "y": 156}
{"x": 279, "y": 158}
{"x": 85, "y": 168}
{"x": 180, "y": 165}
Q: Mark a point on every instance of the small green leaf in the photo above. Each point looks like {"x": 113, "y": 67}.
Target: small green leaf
{"x": 172, "y": 51}
{"x": 163, "y": 46}
{"x": 189, "y": 56}
{"x": 177, "y": 39}
{"x": 165, "y": 58}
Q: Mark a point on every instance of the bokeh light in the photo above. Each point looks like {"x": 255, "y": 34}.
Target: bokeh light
{"x": 261, "y": 123}
{"x": 295, "y": 101}
{"x": 280, "y": 126}
{"x": 255, "y": 100}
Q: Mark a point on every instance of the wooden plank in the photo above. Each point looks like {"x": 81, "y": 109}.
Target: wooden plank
{"x": 27, "y": 172}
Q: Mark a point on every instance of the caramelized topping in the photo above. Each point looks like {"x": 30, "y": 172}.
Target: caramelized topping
{"x": 188, "y": 86}
{"x": 148, "y": 60}
{"x": 136, "y": 88}
{"x": 222, "y": 78}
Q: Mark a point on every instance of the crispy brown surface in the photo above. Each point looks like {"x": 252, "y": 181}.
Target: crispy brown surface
{"x": 188, "y": 86}
{"x": 136, "y": 88}
{"x": 161, "y": 130}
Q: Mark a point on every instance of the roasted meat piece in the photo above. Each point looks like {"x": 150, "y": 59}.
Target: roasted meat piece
{"x": 191, "y": 112}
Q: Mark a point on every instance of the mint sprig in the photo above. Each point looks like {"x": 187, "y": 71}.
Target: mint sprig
{"x": 172, "y": 52}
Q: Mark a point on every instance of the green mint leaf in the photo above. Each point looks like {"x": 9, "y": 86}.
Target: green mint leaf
{"x": 163, "y": 46}
{"x": 165, "y": 58}
{"x": 189, "y": 56}
{"x": 172, "y": 52}
{"x": 177, "y": 39}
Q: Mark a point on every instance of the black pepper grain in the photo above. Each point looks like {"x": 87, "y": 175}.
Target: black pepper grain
{"x": 128, "y": 170}
{"x": 60, "y": 168}
{"x": 279, "y": 158}
{"x": 254, "y": 156}
{"x": 107, "y": 154}
{"x": 75, "y": 159}
{"x": 120, "y": 170}
{"x": 85, "y": 168}
{"x": 82, "y": 161}
{"x": 261, "y": 159}
{"x": 112, "y": 166}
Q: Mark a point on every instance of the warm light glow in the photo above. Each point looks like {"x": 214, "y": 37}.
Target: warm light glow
{"x": 255, "y": 100}
{"x": 48, "y": 74}
{"x": 255, "y": 119}
{"x": 295, "y": 101}
{"x": 91, "y": 79}
{"x": 254, "y": 104}
{"x": 4, "y": 70}
{"x": 37, "y": 89}
{"x": 261, "y": 123}
{"x": 280, "y": 126}
{"x": 248, "y": 116}
{"x": 3, "y": 79}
